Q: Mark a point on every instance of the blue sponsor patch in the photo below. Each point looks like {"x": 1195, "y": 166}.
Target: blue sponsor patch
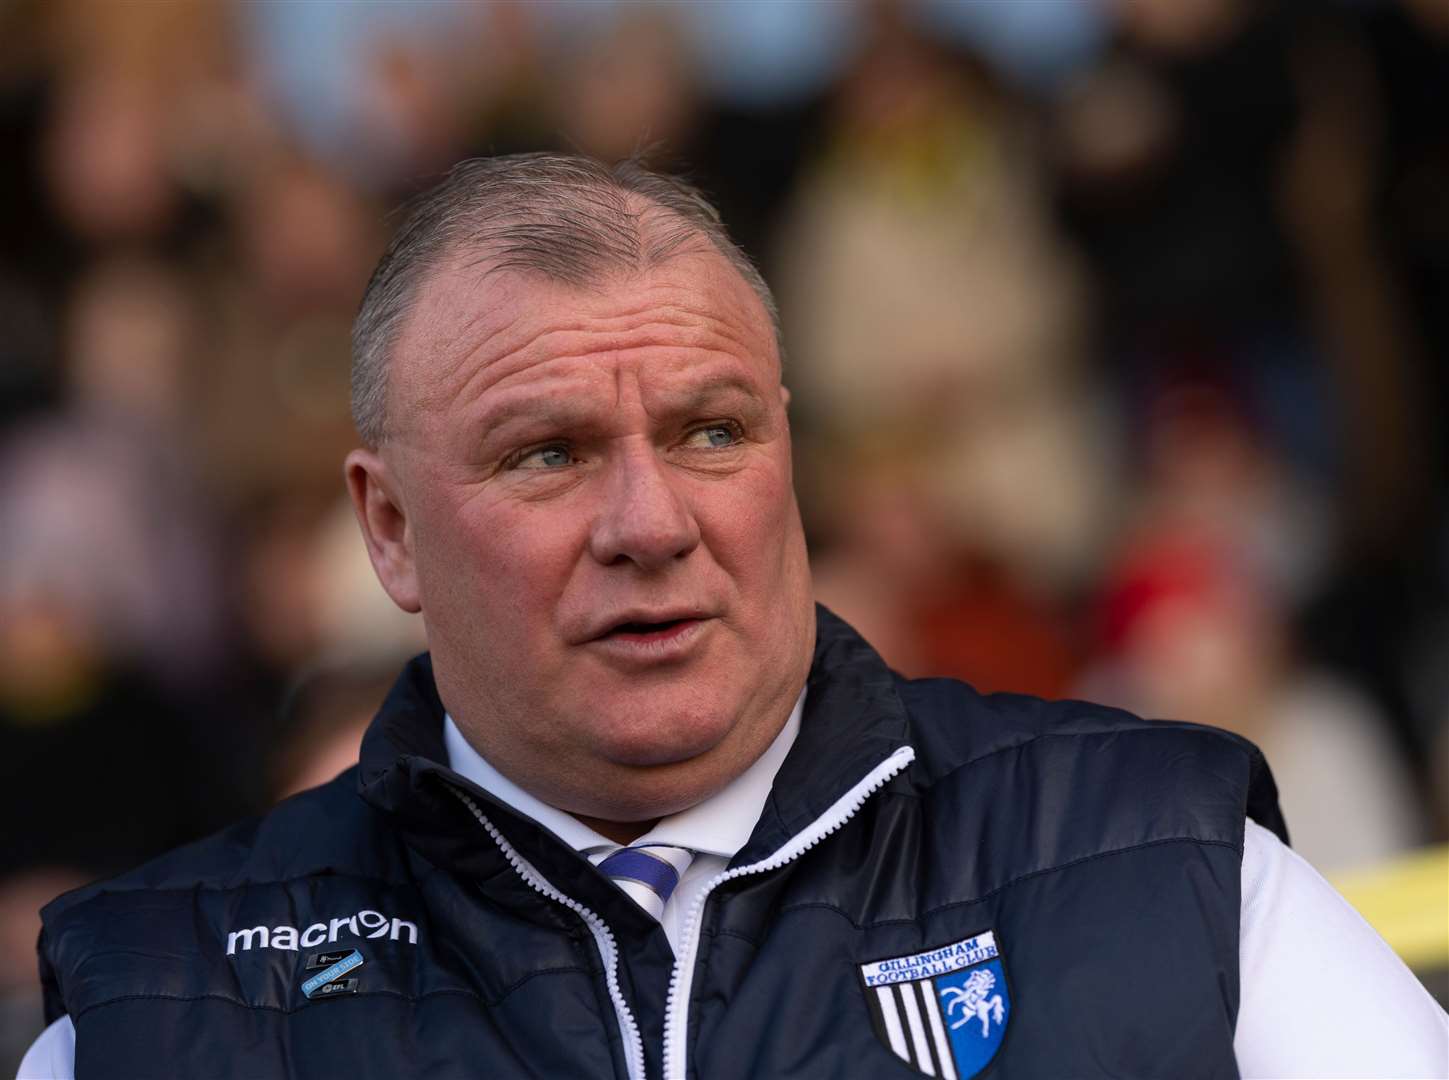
{"x": 944, "y": 1011}
{"x": 350, "y": 962}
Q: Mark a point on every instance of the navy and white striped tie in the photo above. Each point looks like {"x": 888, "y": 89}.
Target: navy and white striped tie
{"x": 648, "y": 873}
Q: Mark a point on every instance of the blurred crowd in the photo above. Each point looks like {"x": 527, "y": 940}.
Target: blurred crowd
{"x": 1112, "y": 330}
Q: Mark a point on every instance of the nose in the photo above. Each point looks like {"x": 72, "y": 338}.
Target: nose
{"x": 645, "y": 519}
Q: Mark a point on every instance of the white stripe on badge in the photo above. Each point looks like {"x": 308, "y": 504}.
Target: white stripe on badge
{"x": 894, "y": 1032}
{"x": 918, "y": 1029}
{"x": 938, "y": 1031}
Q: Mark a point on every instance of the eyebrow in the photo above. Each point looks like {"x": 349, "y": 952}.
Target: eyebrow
{"x": 724, "y": 388}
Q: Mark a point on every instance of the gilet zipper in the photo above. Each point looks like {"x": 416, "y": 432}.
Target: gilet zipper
{"x": 681, "y": 980}
{"x": 603, "y": 937}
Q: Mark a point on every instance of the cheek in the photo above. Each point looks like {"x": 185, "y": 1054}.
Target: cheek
{"x": 755, "y": 531}
{"x": 493, "y": 571}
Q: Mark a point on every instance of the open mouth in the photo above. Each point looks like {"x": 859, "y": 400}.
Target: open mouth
{"x": 647, "y": 629}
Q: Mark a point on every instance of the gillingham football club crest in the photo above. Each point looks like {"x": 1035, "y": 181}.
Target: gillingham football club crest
{"x": 943, "y": 1011}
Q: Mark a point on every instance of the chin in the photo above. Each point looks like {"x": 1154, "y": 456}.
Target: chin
{"x": 676, "y": 741}
{"x": 643, "y": 723}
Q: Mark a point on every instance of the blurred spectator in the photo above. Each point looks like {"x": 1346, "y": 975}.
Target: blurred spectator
{"x": 1407, "y": 44}
{"x": 1197, "y": 614}
{"x": 1190, "y": 634}
{"x": 1210, "y": 469}
{"x": 925, "y": 291}
{"x": 1196, "y": 623}
{"x": 99, "y": 531}
{"x": 279, "y": 290}
{"x": 132, "y": 333}
{"x": 106, "y": 159}
{"x": 894, "y": 567}
{"x": 1219, "y": 166}
{"x": 1169, "y": 146}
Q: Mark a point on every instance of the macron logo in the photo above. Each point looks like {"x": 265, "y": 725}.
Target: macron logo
{"x": 371, "y": 924}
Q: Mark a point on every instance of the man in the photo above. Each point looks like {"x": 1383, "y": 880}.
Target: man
{"x": 577, "y": 468}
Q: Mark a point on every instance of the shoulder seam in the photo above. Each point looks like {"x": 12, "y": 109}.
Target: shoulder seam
{"x": 927, "y": 912}
{"x": 1223, "y": 737}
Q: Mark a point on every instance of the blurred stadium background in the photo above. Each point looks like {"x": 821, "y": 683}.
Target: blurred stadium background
{"x": 1116, "y": 329}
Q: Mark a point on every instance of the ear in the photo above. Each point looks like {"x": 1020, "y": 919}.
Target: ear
{"x": 385, "y": 529}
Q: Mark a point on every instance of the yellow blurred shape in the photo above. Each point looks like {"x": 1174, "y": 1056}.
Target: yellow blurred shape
{"x": 1407, "y": 901}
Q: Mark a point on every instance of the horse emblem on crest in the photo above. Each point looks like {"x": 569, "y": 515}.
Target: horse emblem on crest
{"x": 973, "y": 1001}
{"x": 922, "y": 1006}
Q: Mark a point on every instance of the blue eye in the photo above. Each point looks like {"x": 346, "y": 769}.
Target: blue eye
{"x": 545, "y": 457}
{"x": 714, "y": 436}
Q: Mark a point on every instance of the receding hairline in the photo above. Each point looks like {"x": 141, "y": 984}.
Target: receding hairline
{"x": 673, "y": 237}
{"x": 477, "y": 268}
{"x": 552, "y": 217}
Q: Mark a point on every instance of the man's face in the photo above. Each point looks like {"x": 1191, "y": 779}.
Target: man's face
{"x": 588, "y": 495}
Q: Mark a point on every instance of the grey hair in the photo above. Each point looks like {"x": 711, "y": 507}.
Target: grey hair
{"x": 566, "y": 217}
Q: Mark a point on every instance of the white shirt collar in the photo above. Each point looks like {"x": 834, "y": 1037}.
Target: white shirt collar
{"x": 720, "y": 825}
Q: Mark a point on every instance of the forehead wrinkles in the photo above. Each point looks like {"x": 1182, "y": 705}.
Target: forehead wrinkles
{"x": 537, "y": 323}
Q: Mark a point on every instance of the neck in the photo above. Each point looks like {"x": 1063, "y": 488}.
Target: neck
{"x": 621, "y": 832}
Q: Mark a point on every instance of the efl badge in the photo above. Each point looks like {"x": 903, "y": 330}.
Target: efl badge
{"x": 943, "y": 1011}
{"x": 329, "y": 982}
